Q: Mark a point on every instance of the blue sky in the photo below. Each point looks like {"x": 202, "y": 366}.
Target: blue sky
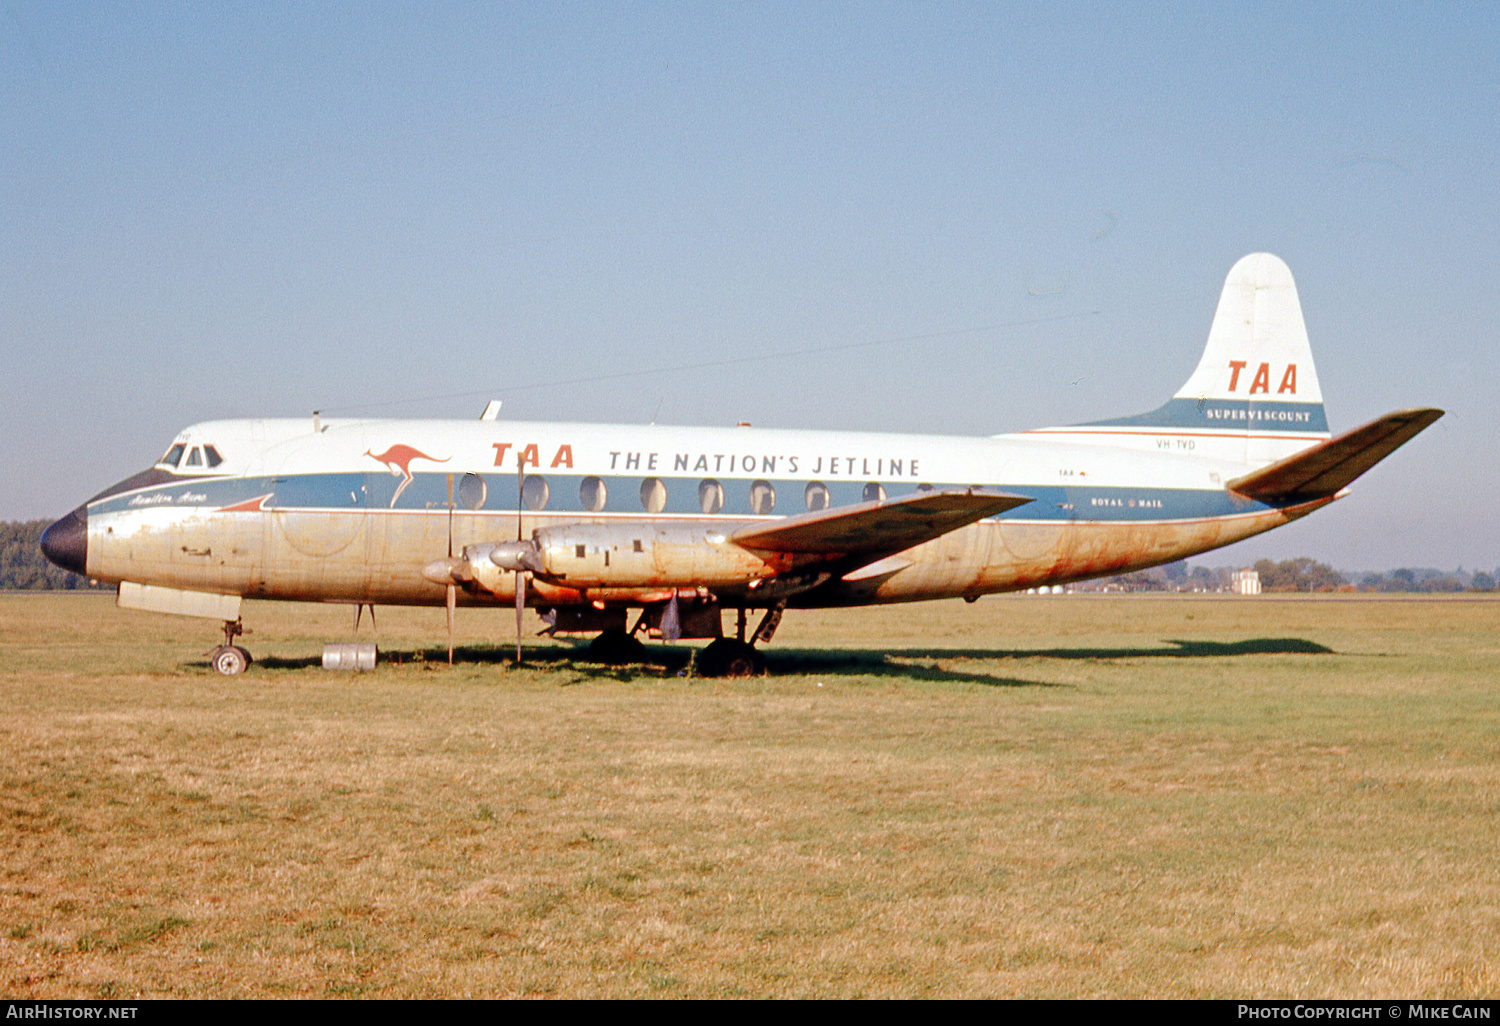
{"x": 1007, "y": 216}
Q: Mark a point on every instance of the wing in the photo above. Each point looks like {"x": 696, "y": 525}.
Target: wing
{"x": 1330, "y": 466}
{"x": 875, "y": 529}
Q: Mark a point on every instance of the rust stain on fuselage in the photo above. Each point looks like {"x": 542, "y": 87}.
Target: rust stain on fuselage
{"x": 360, "y": 556}
{"x": 981, "y": 560}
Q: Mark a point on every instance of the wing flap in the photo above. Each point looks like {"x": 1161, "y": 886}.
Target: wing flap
{"x": 1327, "y": 468}
{"x": 877, "y": 528}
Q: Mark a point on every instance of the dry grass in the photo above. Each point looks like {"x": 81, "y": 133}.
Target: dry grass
{"x": 1039, "y": 796}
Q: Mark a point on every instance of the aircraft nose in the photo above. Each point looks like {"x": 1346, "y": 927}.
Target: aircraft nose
{"x": 66, "y": 542}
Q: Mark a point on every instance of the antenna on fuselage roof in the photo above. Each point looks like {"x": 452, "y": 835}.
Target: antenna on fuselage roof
{"x": 317, "y": 423}
{"x": 491, "y": 410}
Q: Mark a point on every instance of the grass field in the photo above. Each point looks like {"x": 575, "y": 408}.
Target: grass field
{"x": 1040, "y": 796}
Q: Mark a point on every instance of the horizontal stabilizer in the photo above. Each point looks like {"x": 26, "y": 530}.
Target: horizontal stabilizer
{"x": 1330, "y": 466}
{"x": 878, "y": 528}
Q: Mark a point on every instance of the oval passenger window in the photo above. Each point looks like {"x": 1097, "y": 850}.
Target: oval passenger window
{"x": 816, "y": 496}
{"x": 535, "y": 493}
{"x": 762, "y": 497}
{"x": 710, "y": 496}
{"x": 592, "y": 494}
{"x": 472, "y": 491}
{"x": 653, "y": 495}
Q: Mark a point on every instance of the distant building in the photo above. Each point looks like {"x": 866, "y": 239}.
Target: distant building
{"x": 1246, "y": 582}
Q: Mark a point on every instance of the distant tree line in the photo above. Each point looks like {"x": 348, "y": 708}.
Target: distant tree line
{"x": 22, "y": 565}
{"x": 1430, "y": 580}
{"x": 1301, "y": 574}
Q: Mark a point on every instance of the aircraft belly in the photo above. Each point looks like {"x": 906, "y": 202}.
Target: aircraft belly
{"x": 993, "y": 557}
{"x": 383, "y": 561}
{"x": 354, "y": 555}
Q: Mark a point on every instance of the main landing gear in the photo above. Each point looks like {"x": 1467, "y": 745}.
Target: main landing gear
{"x": 230, "y": 659}
{"x": 730, "y": 657}
{"x": 736, "y": 657}
{"x": 723, "y": 657}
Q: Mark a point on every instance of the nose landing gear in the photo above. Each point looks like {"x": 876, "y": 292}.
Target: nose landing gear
{"x": 230, "y": 659}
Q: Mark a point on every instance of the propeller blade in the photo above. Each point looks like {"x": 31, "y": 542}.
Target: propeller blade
{"x": 520, "y": 610}
{"x": 520, "y": 536}
{"x": 452, "y": 604}
{"x": 452, "y": 587}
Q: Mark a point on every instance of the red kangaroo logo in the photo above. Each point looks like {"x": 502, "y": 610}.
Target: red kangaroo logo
{"x": 398, "y": 460}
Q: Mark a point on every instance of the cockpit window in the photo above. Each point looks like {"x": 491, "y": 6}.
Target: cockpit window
{"x": 212, "y": 455}
{"x": 173, "y": 455}
{"x": 195, "y": 458}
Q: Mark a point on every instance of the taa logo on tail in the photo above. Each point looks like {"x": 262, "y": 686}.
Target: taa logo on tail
{"x": 1262, "y": 380}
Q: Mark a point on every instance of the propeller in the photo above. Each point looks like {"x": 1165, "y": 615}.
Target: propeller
{"x": 449, "y": 572}
{"x": 521, "y": 557}
{"x": 452, "y": 605}
{"x": 452, "y": 585}
{"x": 520, "y": 574}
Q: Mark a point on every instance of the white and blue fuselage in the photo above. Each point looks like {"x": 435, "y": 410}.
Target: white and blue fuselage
{"x": 298, "y": 512}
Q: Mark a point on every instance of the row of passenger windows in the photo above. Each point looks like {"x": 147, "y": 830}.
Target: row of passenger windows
{"x": 594, "y": 495}
{"x": 197, "y": 456}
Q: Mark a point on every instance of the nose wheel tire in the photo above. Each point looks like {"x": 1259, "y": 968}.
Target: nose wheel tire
{"x": 230, "y": 660}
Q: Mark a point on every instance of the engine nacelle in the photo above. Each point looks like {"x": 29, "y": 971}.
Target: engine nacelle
{"x": 642, "y": 554}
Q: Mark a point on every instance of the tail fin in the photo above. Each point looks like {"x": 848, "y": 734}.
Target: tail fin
{"x": 1255, "y": 395}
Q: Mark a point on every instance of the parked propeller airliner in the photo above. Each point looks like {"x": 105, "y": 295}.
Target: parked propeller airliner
{"x": 587, "y": 522}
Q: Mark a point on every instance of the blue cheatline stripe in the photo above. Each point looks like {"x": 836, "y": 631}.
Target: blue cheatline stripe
{"x": 429, "y": 492}
{"x": 1227, "y": 414}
